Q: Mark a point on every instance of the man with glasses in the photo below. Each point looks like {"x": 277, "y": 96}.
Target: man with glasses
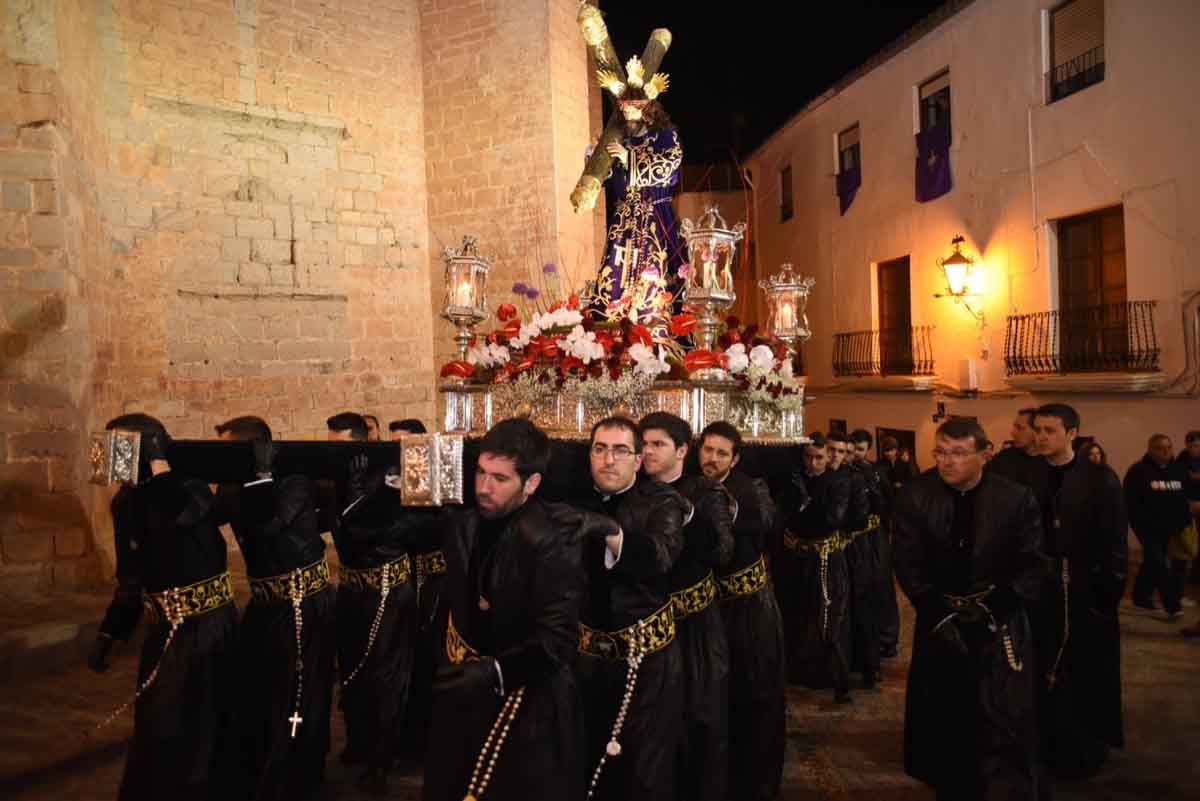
{"x": 707, "y": 546}
{"x": 814, "y": 583}
{"x": 967, "y": 553}
{"x": 630, "y": 666}
{"x": 1085, "y": 536}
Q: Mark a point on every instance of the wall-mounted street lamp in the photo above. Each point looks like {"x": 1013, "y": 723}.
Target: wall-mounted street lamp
{"x": 956, "y": 270}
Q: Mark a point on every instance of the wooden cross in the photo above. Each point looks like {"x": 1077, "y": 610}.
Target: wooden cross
{"x": 591, "y": 24}
{"x": 295, "y": 720}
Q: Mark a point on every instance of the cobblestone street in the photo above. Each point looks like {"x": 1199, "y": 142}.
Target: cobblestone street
{"x": 47, "y": 751}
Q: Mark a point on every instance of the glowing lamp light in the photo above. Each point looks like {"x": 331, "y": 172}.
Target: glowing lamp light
{"x": 786, "y": 294}
{"x": 466, "y": 291}
{"x": 958, "y": 271}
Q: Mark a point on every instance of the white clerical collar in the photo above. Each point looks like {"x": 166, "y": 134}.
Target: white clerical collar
{"x": 605, "y": 496}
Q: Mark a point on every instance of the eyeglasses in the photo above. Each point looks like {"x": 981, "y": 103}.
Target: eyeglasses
{"x": 619, "y": 453}
{"x": 956, "y": 455}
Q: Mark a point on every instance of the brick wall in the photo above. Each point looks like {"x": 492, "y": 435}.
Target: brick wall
{"x": 222, "y": 207}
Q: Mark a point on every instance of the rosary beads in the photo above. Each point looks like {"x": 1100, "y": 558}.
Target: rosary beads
{"x": 173, "y": 611}
{"x": 385, "y": 586}
{"x": 613, "y": 749}
{"x": 477, "y": 787}
{"x": 296, "y": 592}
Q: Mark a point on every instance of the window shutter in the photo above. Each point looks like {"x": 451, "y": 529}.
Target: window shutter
{"x": 848, "y": 138}
{"x": 1078, "y": 28}
{"x": 935, "y": 84}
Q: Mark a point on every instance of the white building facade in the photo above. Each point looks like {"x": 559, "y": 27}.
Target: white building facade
{"x": 1075, "y": 186}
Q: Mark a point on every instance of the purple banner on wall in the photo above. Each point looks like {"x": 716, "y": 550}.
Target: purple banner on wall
{"x": 848, "y": 181}
{"x": 933, "y": 163}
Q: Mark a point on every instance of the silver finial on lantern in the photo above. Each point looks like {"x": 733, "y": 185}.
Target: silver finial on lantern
{"x": 787, "y": 300}
{"x": 712, "y": 246}
{"x": 466, "y": 291}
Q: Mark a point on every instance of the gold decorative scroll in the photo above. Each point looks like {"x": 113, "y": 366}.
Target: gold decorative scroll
{"x": 113, "y": 457}
{"x": 599, "y": 164}
{"x": 431, "y": 469}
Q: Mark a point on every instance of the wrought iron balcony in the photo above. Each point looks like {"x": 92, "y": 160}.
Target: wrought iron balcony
{"x": 1077, "y": 74}
{"x": 896, "y": 351}
{"x": 1114, "y": 337}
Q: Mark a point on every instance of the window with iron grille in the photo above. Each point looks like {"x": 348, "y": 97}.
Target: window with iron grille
{"x": 933, "y": 98}
{"x": 1076, "y": 38}
{"x": 849, "y": 153}
{"x": 785, "y": 194}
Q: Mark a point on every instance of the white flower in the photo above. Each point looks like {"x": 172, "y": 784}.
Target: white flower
{"x": 647, "y": 361}
{"x": 738, "y": 360}
{"x": 489, "y": 355}
{"x": 785, "y": 369}
{"x": 560, "y": 317}
{"x": 528, "y": 331}
{"x": 583, "y": 345}
{"x": 478, "y": 356}
{"x": 762, "y": 357}
{"x": 498, "y": 353}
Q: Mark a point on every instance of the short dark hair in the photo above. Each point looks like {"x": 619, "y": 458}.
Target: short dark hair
{"x": 888, "y": 444}
{"x": 721, "y": 428}
{"x": 617, "y": 421}
{"x": 1029, "y": 412}
{"x": 962, "y": 428}
{"x": 675, "y": 427}
{"x": 1191, "y": 437}
{"x": 412, "y": 425}
{"x": 517, "y": 438}
{"x": 1065, "y": 413}
{"x": 862, "y": 435}
{"x": 1155, "y": 438}
{"x": 141, "y": 423}
{"x": 837, "y": 436}
{"x": 246, "y": 427}
{"x": 349, "y": 421}
{"x": 817, "y": 439}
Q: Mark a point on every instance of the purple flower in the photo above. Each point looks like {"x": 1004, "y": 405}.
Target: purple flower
{"x": 519, "y": 288}
{"x": 532, "y": 293}
{"x": 549, "y": 268}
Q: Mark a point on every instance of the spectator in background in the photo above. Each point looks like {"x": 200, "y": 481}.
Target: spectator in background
{"x": 1094, "y": 453}
{"x": 1158, "y": 510}
{"x": 1021, "y": 462}
{"x": 372, "y": 427}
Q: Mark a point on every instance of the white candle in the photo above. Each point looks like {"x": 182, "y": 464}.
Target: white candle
{"x": 463, "y": 295}
{"x": 787, "y": 317}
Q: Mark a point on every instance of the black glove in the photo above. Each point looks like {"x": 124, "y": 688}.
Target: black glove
{"x": 598, "y": 527}
{"x": 948, "y": 636}
{"x": 264, "y": 457}
{"x": 356, "y": 483}
{"x": 152, "y": 446}
{"x": 98, "y": 657}
{"x": 477, "y": 675}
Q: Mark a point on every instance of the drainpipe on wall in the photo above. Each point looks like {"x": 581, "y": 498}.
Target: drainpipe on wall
{"x": 1187, "y": 383}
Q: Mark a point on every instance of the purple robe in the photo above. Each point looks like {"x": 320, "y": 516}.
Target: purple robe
{"x": 644, "y": 252}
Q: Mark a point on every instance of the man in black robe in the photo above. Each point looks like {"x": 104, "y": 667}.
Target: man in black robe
{"x": 967, "y": 554}
{"x": 1021, "y": 462}
{"x": 170, "y": 552}
{"x": 814, "y": 583}
{"x": 865, "y": 557}
{"x": 1085, "y": 536}
{"x": 630, "y": 664}
{"x": 506, "y": 714}
{"x": 753, "y": 626}
{"x": 287, "y": 640}
{"x": 892, "y": 475}
{"x": 707, "y": 547}
{"x": 376, "y": 607}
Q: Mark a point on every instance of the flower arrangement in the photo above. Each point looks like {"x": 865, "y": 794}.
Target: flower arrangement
{"x": 762, "y": 367}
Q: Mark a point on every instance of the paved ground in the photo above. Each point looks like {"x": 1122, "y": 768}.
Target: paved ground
{"x": 47, "y": 750}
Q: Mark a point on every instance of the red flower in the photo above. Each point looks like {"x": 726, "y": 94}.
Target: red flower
{"x": 524, "y": 364}
{"x": 511, "y": 329}
{"x": 702, "y": 359}
{"x": 546, "y": 346}
{"x": 573, "y": 302}
{"x": 457, "y": 369}
{"x": 570, "y": 363}
{"x": 558, "y": 304}
{"x": 640, "y": 335}
{"x": 506, "y": 312}
{"x": 683, "y": 324}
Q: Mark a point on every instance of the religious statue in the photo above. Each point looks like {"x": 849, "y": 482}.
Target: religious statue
{"x": 640, "y": 274}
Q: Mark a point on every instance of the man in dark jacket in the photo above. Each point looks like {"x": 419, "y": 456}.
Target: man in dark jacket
{"x": 287, "y": 642}
{"x": 509, "y": 634}
{"x": 707, "y": 547}
{"x": 814, "y": 583}
{"x": 171, "y": 553}
{"x": 868, "y": 561}
{"x": 753, "y": 626}
{"x": 1021, "y": 462}
{"x": 630, "y": 665}
{"x": 1085, "y": 537}
{"x": 967, "y": 554}
{"x": 1156, "y": 496}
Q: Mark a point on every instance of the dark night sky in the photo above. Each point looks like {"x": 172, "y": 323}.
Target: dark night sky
{"x": 741, "y": 69}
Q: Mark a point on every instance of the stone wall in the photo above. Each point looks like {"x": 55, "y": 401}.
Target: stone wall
{"x": 223, "y": 207}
